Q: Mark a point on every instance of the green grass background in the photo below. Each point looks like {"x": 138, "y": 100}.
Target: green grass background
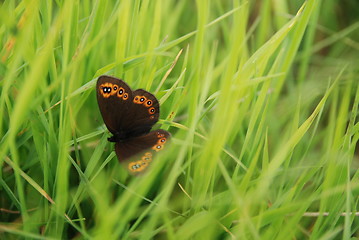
{"x": 261, "y": 98}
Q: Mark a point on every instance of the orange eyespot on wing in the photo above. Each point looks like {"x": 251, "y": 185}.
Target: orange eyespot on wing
{"x": 160, "y": 135}
{"x": 140, "y": 165}
{"x": 157, "y": 147}
{"x": 151, "y": 110}
{"x": 108, "y": 89}
{"x": 139, "y": 99}
{"x": 147, "y": 157}
{"x": 137, "y": 166}
{"x": 115, "y": 89}
{"x": 120, "y": 92}
{"x": 148, "y": 103}
{"x": 142, "y": 99}
{"x": 135, "y": 99}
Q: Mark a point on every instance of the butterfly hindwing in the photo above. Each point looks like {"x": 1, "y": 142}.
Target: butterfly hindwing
{"x": 137, "y": 153}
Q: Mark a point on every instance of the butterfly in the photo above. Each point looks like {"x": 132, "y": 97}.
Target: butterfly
{"x": 129, "y": 116}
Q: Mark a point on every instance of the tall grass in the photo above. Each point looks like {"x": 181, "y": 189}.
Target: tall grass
{"x": 261, "y": 99}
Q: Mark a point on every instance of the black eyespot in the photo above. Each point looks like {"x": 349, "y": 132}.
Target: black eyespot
{"x": 142, "y": 99}
{"x": 148, "y": 103}
{"x": 136, "y": 166}
{"x": 151, "y": 110}
{"x": 158, "y": 147}
{"x": 115, "y": 88}
{"x": 106, "y": 89}
{"x": 120, "y": 92}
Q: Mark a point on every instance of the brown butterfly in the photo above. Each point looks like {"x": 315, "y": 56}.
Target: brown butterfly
{"x": 129, "y": 116}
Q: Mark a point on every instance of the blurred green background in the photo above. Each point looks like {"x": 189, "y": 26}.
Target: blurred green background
{"x": 261, "y": 99}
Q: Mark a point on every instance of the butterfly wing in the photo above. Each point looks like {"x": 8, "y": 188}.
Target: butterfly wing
{"x": 145, "y": 112}
{"x": 137, "y": 153}
{"x": 114, "y": 98}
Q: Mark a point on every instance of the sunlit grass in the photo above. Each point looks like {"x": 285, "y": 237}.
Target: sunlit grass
{"x": 261, "y": 101}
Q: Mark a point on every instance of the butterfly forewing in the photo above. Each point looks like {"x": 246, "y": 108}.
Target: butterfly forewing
{"x": 146, "y": 112}
{"x": 114, "y": 98}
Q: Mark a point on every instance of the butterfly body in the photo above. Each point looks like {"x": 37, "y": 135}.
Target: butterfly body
{"x": 129, "y": 116}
